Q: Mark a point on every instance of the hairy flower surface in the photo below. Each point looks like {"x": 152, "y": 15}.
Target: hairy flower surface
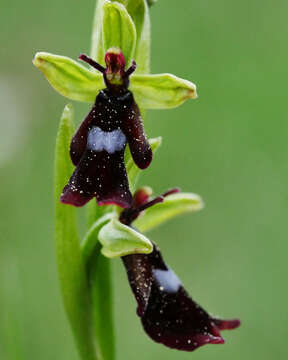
{"x": 97, "y": 148}
{"x": 168, "y": 314}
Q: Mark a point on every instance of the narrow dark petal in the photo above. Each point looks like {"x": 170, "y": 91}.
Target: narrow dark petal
{"x": 168, "y": 314}
{"x": 227, "y": 324}
{"x": 141, "y": 202}
{"x": 129, "y": 215}
{"x": 150, "y": 203}
{"x": 134, "y": 131}
{"x": 131, "y": 69}
{"x": 171, "y": 191}
{"x": 91, "y": 62}
{"x": 79, "y": 140}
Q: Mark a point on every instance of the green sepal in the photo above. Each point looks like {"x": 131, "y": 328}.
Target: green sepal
{"x": 76, "y": 82}
{"x": 97, "y": 48}
{"x": 133, "y": 170}
{"x": 138, "y": 10}
{"x": 161, "y": 91}
{"x": 68, "y": 77}
{"x": 71, "y": 268}
{"x": 173, "y": 205}
{"x": 119, "y": 240}
{"x": 97, "y": 51}
{"x": 118, "y": 29}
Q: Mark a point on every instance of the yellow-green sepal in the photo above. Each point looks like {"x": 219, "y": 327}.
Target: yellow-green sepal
{"x": 68, "y": 77}
{"x": 173, "y": 205}
{"x": 139, "y": 12}
{"x": 118, "y": 29}
{"x": 76, "y": 82}
{"x": 119, "y": 240}
{"x": 161, "y": 91}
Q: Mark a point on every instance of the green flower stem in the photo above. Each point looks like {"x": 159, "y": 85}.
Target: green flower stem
{"x": 99, "y": 269}
{"x": 91, "y": 239}
{"x": 99, "y": 274}
{"x": 71, "y": 268}
{"x": 99, "y": 277}
{"x": 113, "y": 26}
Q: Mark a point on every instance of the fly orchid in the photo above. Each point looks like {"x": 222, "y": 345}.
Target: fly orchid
{"x": 168, "y": 314}
{"x": 97, "y": 148}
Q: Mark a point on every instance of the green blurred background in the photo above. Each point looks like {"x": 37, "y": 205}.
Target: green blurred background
{"x": 229, "y": 146}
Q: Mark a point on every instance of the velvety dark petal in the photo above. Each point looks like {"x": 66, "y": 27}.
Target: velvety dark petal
{"x": 133, "y": 129}
{"x": 101, "y": 171}
{"x": 168, "y": 314}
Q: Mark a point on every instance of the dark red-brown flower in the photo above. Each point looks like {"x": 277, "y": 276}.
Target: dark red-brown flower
{"x": 168, "y": 314}
{"x": 97, "y": 148}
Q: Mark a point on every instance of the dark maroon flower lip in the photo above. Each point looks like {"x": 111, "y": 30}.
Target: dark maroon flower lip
{"x": 122, "y": 203}
{"x": 100, "y": 171}
{"x": 97, "y": 148}
{"x": 168, "y": 314}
